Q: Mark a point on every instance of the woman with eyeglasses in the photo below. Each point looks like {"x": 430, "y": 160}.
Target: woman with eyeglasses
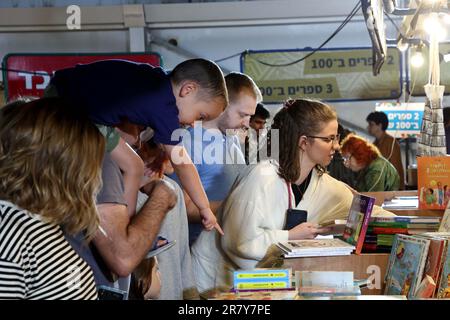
{"x": 255, "y": 212}
{"x": 375, "y": 172}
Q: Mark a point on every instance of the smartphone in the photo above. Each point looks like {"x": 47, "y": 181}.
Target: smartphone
{"x": 295, "y": 217}
{"x": 160, "y": 249}
{"x": 108, "y": 293}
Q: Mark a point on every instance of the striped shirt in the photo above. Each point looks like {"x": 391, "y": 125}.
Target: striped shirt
{"x": 36, "y": 261}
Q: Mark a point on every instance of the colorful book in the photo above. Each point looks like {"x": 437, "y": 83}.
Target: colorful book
{"x": 433, "y": 182}
{"x": 358, "y": 221}
{"x": 262, "y": 279}
{"x": 426, "y": 288}
{"x": 406, "y": 265}
{"x": 445, "y": 223}
{"x": 443, "y": 290}
{"x": 379, "y": 230}
{"x": 388, "y": 224}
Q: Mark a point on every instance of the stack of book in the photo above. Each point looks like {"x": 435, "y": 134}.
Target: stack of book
{"x": 381, "y": 230}
{"x": 419, "y": 266}
{"x": 401, "y": 203}
{"x": 315, "y": 248}
{"x": 352, "y": 231}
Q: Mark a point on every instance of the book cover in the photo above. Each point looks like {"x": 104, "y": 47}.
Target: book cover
{"x": 433, "y": 182}
{"x": 445, "y": 222}
{"x": 426, "y": 288}
{"x": 435, "y": 259}
{"x": 358, "y": 221}
{"x": 261, "y": 279}
{"x": 406, "y": 265}
{"x": 444, "y": 281}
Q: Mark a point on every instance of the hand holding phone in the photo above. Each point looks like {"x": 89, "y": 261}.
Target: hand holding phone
{"x": 295, "y": 217}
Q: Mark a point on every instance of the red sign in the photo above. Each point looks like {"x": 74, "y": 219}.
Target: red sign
{"x": 20, "y": 82}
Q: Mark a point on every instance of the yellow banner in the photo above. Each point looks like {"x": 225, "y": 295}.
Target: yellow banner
{"x": 344, "y": 74}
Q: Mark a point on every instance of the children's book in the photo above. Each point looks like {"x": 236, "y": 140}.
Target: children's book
{"x": 433, "y": 182}
{"x": 406, "y": 265}
{"x": 435, "y": 258}
{"x": 426, "y": 288}
{"x": 445, "y": 222}
{"x": 358, "y": 221}
{"x": 443, "y": 290}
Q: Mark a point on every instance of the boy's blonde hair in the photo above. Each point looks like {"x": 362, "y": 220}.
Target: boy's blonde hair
{"x": 206, "y": 74}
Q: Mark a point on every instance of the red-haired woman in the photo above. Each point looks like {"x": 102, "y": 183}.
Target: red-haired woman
{"x": 375, "y": 172}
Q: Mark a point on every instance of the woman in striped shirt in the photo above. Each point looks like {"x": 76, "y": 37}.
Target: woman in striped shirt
{"x": 50, "y": 165}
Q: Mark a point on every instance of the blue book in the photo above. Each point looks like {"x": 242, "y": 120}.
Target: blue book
{"x": 406, "y": 265}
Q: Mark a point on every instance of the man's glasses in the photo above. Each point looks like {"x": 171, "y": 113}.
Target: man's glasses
{"x": 333, "y": 139}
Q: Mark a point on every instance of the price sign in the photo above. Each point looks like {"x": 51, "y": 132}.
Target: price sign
{"x": 404, "y": 118}
{"x": 19, "y": 83}
{"x": 342, "y": 74}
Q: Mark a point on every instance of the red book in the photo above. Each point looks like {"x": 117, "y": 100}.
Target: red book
{"x": 381, "y": 230}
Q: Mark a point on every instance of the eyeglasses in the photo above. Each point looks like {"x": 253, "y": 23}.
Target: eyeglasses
{"x": 346, "y": 158}
{"x": 333, "y": 139}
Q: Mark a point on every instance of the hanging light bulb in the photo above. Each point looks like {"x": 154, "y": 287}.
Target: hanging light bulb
{"x": 402, "y": 45}
{"x": 417, "y": 59}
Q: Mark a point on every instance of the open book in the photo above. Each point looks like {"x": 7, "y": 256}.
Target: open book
{"x": 336, "y": 227}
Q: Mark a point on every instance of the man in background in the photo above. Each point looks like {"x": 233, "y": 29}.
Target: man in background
{"x": 388, "y": 146}
{"x": 257, "y": 123}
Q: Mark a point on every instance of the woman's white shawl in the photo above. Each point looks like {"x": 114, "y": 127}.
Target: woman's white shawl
{"x": 253, "y": 216}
